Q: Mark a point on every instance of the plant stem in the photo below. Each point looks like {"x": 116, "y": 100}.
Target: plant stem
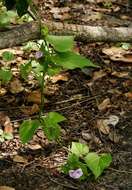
{"x": 42, "y": 95}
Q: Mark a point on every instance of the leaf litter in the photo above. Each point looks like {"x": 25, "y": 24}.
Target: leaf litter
{"x": 98, "y": 124}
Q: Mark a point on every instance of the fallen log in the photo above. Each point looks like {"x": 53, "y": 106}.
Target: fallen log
{"x": 31, "y": 31}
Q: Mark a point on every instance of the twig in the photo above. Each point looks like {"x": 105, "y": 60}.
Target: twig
{"x": 120, "y": 171}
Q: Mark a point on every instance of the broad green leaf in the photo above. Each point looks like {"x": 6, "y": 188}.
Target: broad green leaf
{"x": 53, "y": 70}
{"x": 71, "y": 60}
{"x": 61, "y": 43}
{"x": 6, "y": 17}
{"x": 79, "y": 149}
{"x": 92, "y": 161}
{"x": 8, "y": 56}
{"x": 50, "y": 125}
{"x": 97, "y": 163}
{"x": 55, "y": 117}
{"x": 25, "y": 69}
{"x": 5, "y": 75}
{"x": 27, "y": 129}
{"x": 72, "y": 163}
{"x": 52, "y": 131}
{"x": 105, "y": 160}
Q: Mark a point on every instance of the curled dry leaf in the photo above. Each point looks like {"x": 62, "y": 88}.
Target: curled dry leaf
{"x": 114, "y": 137}
{"x": 129, "y": 95}
{"x": 86, "y": 136}
{"x": 35, "y": 97}
{"x": 118, "y": 54}
{"x": 3, "y": 91}
{"x": 60, "y": 77}
{"x": 103, "y": 127}
{"x": 112, "y": 120}
{"x": 20, "y": 159}
{"x": 98, "y": 74}
{"x": 16, "y": 86}
{"x": 104, "y": 105}
{"x": 103, "y": 124}
{"x": 120, "y": 74}
{"x": 30, "y": 110}
{"x": 34, "y": 146}
{"x": 6, "y": 123}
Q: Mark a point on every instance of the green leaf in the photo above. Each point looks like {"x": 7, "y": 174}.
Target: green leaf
{"x": 30, "y": 46}
{"x": 61, "y": 43}
{"x": 5, "y": 75}
{"x": 6, "y": 18}
{"x": 22, "y": 7}
{"x": 8, "y": 56}
{"x": 72, "y": 163}
{"x": 1, "y": 132}
{"x": 27, "y": 129}
{"x": 105, "y": 160}
{"x": 96, "y": 163}
{"x": 71, "y": 60}
{"x": 2, "y": 139}
{"x": 55, "y": 117}
{"x": 50, "y": 125}
{"x": 8, "y": 136}
{"x": 79, "y": 149}
{"x": 53, "y": 70}
{"x": 25, "y": 69}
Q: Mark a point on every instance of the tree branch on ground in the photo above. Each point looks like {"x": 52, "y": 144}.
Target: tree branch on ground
{"x": 31, "y": 31}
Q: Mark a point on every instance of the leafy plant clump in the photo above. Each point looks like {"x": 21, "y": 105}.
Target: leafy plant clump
{"x": 55, "y": 54}
{"x": 81, "y": 163}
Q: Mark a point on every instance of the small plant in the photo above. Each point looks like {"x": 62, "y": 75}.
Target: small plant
{"x": 55, "y": 53}
{"x": 5, "y": 136}
{"x": 81, "y": 163}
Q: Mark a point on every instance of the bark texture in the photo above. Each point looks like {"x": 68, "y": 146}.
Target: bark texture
{"x": 31, "y": 31}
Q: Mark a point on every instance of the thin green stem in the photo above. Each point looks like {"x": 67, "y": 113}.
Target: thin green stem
{"x": 42, "y": 95}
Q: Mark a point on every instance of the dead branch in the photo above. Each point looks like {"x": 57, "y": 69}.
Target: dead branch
{"x": 31, "y": 31}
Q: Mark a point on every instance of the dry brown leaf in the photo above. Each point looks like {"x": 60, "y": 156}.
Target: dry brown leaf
{"x": 114, "y": 137}
{"x": 30, "y": 110}
{"x": 6, "y": 123}
{"x": 118, "y": 54}
{"x": 35, "y": 147}
{"x": 120, "y": 74}
{"x": 103, "y": 127}
{"x": 98, "y": 74}
{"x": 3, "y": 91}
{"x": 35, "y": 97}
{"x": 86, "y": 136}
{"x": 104, "y": 105}
{"x": 20, "y": 159}
{"x": 6, "y": 188}
{"x": 60, "y": 77}
{"x": 129, "y": 95}
{"x": 16, "y": 86}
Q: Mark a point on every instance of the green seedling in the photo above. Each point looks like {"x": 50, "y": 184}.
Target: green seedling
{"x": 5, "y": 136}
{"x": 81, "y": 163}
